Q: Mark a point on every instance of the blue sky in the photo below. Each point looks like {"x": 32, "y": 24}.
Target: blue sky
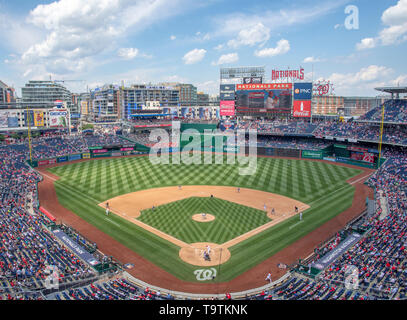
{"x": 142, "y": 41}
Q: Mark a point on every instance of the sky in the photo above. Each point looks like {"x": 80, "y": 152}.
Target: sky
{"x": 357, "y": 45}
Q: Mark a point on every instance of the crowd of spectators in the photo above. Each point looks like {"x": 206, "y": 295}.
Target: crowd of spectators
{"x": 117, "y": 289}
{"x": 27, "y": 248}
{"x": 392, "y": 134}
{"x": 291, "y": 143}
{"x": 279, "y": 127}
{"x": 380, "y": 256}
{"x": 395, "y": 111}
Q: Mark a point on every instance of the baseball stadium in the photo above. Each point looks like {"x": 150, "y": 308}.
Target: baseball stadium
{"x": 122, "y": 214}
{"x": 203, "y": 153}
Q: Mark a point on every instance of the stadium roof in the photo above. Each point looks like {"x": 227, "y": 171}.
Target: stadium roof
{"x": 392, "y": 90}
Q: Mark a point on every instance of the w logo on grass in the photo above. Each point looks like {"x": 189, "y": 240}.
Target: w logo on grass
{"x": 205, "y": 274}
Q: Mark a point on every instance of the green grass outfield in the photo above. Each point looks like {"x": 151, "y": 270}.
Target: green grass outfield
{"x": 321, "y": 185}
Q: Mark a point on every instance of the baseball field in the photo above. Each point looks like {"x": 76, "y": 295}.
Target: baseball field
{"x": 242, "y": 223}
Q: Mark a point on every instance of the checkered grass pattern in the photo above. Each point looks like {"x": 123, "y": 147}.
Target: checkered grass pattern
{"x": 232, "y": 219}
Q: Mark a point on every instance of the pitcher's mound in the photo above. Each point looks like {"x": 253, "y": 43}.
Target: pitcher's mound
{"x": 200, "y": 218}
{"x": 194, "y": 254}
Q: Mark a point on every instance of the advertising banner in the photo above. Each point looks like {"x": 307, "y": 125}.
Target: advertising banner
{"x": 76, "y": 248}
{"x": 99, "y": 150}
{"x": 73, "y": 157}
{"x": 152, "y": 125}
{"x": 58, "y": 118}
{"x": 311, "y": 154}
{"x": 12, "y": 119}
{"x": 127, "y": 149}
{"x": 28, "y": 118}
{"x": 62, "y": 159}
{"x": 116, "y": 154}
{"x": 98, "y": 155}
{"x": 184, "y": 112}
{"x": 201, "y": 113}
{"x": 3, "y": 119}
{"x": 264, "y": 86}
{"x": 227, "y": 108}
{"x": 303, "y": 91}
{"x": 337, "y": 252}
{"x": 227, "y": 88}
{"x": 227, "y": 96}
{"x": 248, "y": 80}
{"x": 86, "y": 155}
{"x": 38, "y": 118}
{"x": 52, "y": 161}
{"x": 302, "y": 109}
{"x": 43, "y": 162}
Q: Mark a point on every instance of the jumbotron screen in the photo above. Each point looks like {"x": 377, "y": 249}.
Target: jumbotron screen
{"x": 263, "y": 99}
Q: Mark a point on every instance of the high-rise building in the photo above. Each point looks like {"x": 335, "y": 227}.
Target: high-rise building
{"x": 141, "y": 100}
{"x": 44, "y": 94}
{"x": 7, "y": 96}
{"x": 202, "y": 99}
{"x": 106, "y": 103}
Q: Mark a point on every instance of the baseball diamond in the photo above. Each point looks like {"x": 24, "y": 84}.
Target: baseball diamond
{"x": 82, "y": 186}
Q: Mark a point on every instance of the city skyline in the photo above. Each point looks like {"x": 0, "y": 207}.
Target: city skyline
{"x": 351, "y": 43}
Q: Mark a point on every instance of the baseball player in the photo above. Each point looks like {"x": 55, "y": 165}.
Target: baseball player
{"x": 107, "y": 208}
{"x": 300, "y": 216}
{"x": 238, "y": 190}
{"x": 265, "y": 207}
{"x": 272, "y": 211}
{"x": 204, "y": 216}
{"x": 269, "y": 277}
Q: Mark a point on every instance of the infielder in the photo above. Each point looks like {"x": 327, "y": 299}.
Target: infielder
{"x": 107, "y": 208}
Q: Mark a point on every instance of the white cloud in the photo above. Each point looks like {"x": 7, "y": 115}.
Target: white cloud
{"x": 173, "y": 37}
{"x": 219, "y": 47}
{"x": 311, "y": 60}
{"x": 366, "y": 43}
{"x": 210, "y": 86}
{"x": 251, "y": 36}
{"x": 227, "y": 58}
{"x": 128, "y": 53}
{"x": 76, "y": 32}
{"x": 283, "y": 46}
{"x": 194, "y": 56}
{"x": 395, "y": 20}
{"x": 364, "y": 81}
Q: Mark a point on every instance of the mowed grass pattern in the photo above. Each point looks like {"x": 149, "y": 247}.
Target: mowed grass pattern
{"x": 232, "y": 219}
{"x": 321, "y": 185}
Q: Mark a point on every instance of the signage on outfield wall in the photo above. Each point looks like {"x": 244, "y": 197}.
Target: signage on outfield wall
{"x": 99, "y": 150}
{"x": 116, "y": 154}
{"x": 312, "y": 154}
{"x": 73, "y": 157}
{"x": 86, "y": 155}
{"x": 302, "y": 109}
{"x": 127, "y": 149}
{"x": 62, "y": 159}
